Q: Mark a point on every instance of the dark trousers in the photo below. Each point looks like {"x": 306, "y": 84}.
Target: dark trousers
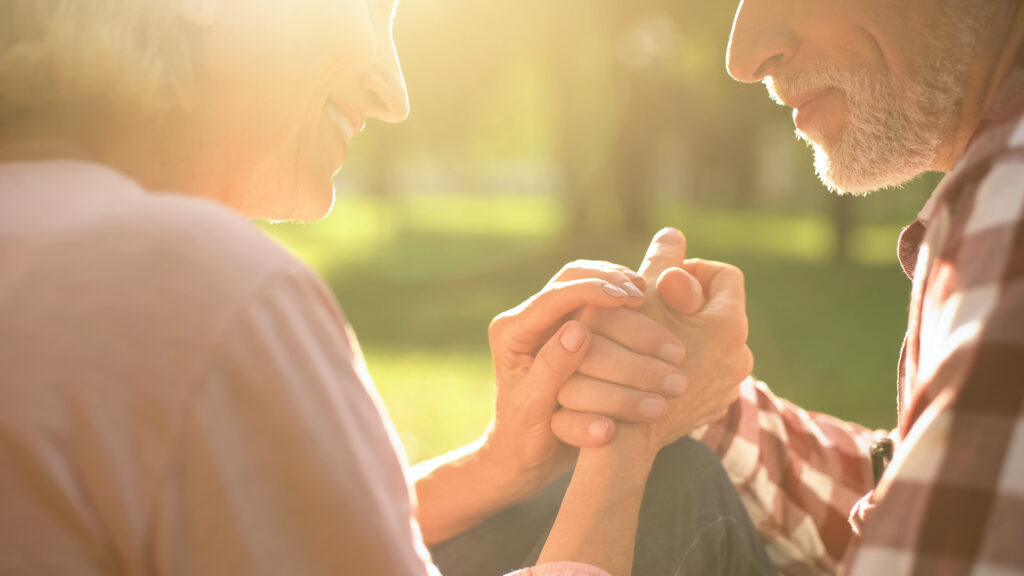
{"x": 692, "y": 523}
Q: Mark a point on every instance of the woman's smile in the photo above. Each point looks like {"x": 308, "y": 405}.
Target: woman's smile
{"x": 347, "y": 123}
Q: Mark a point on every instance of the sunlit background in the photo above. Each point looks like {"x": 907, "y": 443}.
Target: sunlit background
{"x": 547, "y": 131}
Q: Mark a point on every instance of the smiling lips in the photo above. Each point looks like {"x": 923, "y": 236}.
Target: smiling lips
{"x": 348, "y": 123}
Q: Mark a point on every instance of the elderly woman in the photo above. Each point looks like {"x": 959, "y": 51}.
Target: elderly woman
{"x": 182, "y": 396}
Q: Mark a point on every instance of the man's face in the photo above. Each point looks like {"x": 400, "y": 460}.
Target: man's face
{"x": 877, "y": 86}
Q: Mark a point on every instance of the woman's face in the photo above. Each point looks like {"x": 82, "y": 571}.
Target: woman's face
{"x": 285, "y": 85}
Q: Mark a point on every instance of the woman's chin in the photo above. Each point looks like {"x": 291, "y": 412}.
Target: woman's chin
{"x": 307, "y": 205}
{"x": 311, "y": 212}
{"x": 310, "y": 206}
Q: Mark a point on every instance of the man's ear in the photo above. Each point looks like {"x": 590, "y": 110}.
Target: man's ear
{"x": 199, "y": 12}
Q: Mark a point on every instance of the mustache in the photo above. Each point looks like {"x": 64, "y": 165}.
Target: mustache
{"x": 784, "y": 87}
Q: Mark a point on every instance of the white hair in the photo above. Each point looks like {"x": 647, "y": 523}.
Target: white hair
{"x": 90, "y": 58}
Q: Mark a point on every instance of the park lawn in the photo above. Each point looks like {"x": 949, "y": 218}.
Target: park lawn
{"x": 420, "y": 282}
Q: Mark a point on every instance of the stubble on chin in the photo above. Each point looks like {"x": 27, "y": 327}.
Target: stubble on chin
{"x": 885, "y": 139}
{"x": 895, "y": 130}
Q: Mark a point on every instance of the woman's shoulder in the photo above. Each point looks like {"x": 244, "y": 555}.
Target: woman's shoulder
{"x": 94, "y": 220}
{"x": 90, "y": 239}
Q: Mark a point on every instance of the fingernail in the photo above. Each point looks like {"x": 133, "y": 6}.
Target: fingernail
{"x": 637, "y": 280}
{"x": 675, "y": 384}
{"x": 669, "y": 236}
{"x": 572, "y": 338}
{"x": 614, "y": 291}
{"x": 633, "y": 290}
{"x": 653, "y": 408}
{"x": 672, "y": 354}
{"x": 598, "y": 429}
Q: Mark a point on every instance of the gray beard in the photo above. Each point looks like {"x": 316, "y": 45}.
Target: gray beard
{"x": 895, "y": 132}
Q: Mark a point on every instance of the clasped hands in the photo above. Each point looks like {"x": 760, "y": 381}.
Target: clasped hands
{"x": 603, "y": 352}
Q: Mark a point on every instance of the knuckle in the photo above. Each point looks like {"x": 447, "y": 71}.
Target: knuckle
{"x": 747, "y": 366}
{"x": 603, "y": 318}
{"x": 729, "y": 272}
{"x": 741, "y": 329}
{"x": 568, "y": 271}
{"x": 582, "y": 265}
{"x": 735, "y": 330}
{"x": 571, "y": 265}
{"x": 561, "y": 426}
{"x": 548, "y": 364}
{"x": 498, "y": 326}
{"x": 590, "y": 316}
{"x": 566, "y": 396}
{"x": 650, "y": 375}
{"x": 617, "y": 406}
{"x": 736, "y": 273}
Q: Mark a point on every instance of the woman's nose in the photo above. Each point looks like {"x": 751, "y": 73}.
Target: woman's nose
{"x": 385, "y": 89}
{"x": 762, "y": 39}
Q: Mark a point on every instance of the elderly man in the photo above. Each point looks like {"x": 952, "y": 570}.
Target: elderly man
{"x": 884, "y": 91}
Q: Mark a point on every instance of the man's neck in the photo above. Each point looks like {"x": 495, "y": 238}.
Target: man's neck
{"x": 997, "y": 56}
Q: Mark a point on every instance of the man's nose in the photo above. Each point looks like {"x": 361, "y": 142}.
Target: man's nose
{"x": 385, "y": 89}
{"x": 762, "y": 39}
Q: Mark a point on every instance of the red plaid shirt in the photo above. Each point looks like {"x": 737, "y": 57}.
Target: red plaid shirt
{"x": 952, "y": 500}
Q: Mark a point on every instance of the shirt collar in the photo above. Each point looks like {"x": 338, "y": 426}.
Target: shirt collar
{"x": 1008, "y": 103}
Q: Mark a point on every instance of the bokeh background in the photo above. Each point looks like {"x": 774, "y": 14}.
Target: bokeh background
{"x": 543, "y": 132}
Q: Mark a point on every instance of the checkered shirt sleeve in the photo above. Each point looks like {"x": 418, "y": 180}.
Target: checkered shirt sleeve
{"x": 952, "y": 501}
{"x": 798, "y": 474}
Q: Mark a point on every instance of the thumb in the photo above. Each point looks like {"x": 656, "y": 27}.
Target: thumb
{"x": 557, "y": 360}
{"x": 680, "y": 291}
{"x": 668, "y": 249}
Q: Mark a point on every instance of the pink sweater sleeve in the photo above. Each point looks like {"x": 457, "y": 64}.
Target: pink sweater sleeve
{"x": 561, "y": 569}
{"x": 288, "y": 464}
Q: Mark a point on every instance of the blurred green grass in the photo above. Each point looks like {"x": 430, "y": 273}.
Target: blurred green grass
{"x": 421, "y": 278}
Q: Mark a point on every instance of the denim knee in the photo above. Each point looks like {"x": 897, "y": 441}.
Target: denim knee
{"x": 692, "y": 520}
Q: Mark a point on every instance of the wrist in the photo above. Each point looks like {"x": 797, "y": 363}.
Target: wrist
{"x": 460, "y": 489}
{"x": 630, "y": 454}
{"x": 510, "y": 479}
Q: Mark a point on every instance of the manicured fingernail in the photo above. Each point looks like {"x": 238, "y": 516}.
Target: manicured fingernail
{"x": 675, "y": 384}
{"x": 598, "y": 429}
{"x": 633, "y": 290}
{"x": 572, "y": 338}
{"x": 614, "y": 291}
{"x": 653, "y": 408}
{"x": 637, "y": 280}
{"x": 672, "y": 354}
{"x": 669, "y": 236}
